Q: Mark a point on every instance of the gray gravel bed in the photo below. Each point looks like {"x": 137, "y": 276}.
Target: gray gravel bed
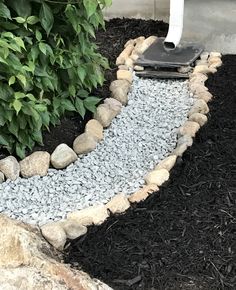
{"x": 139, "y": 137}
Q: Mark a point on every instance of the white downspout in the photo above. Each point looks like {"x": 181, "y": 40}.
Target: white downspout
{"x": 175, "y": 24}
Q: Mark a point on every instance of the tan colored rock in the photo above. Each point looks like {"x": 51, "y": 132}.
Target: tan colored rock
{"x": 185, "y": 139}
{"x": 215, "y": 54}
{"x": 197, "y": 88}
{"x": 204, "y": 55}
{"x": 214, "y": 62}
{"x": 123, "y": 67}
{"x": 26, "y": 278}
{"x": 124, "y": 54}
{"x": 198, "y": 78}
{"x": 92, "y": 215}
{"x": 2, "y": 177}
{"x": 104, "y": 115}
{"x": 54, "y": 234}
{"x": 142, "y": 46}
{"x": 125, "y": 75}
{"x": 119, "y": 90}
{"x": 118, "y": 204}
{"x": 199, "y": 106}
{"x": 157, "y": 177}
{"x": 10, "y": 167}
{"x": 134, "y": 56}
{"x": 73, "y": 229}
{"x": 35, "y": 164}
{"x": 179, "y": 150}
{"x": 130, "y": 42}
{"x": 189, "y": 128}
{"x": 204, "y": 69}
{"x": 143, "y": 193}
{"x": 139, "y": 39}
{"x": 198, "y": 118}
{"x": 27, "y": 262}
{"x": 129, "y": 62}
{"x": 201, "y": 62}
{"x": 94, "y": 128}
{"x": 84, "y": 143}
{"x": 62, "y": 156}
{"x": 167, "y": 163}
{"x": 113, "y": 105}
{"x": 184, "y": 69}
{"x": 205, "y": 96}
{"x": 138, "y": 68}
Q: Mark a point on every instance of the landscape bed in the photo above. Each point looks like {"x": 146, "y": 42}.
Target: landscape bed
{"x": 184, "y": 236}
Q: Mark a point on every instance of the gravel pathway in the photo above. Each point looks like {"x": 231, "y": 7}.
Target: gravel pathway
{"x": 143, "y": 134}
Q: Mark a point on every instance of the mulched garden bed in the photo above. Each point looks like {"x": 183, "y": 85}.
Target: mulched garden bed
{"x": 111, "y": 43}
{"x": 184, "y": 236}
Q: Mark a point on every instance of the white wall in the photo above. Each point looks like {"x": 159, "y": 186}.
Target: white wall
{"x": 211, "y": 22}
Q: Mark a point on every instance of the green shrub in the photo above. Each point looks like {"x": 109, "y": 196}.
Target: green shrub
{"x": 48, "y": 65}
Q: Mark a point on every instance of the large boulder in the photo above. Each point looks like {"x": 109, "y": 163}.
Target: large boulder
{"x": 10, "y": 167}
{"x": 27, "y": 262}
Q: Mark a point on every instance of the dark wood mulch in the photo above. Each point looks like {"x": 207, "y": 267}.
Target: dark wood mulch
{"x": 184, "y": 236}
{"x": 110, "y": 43}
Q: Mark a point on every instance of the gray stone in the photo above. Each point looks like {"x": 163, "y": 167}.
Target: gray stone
{"x": 63, "y": 156}
{"x": 10, "y": 167}
{"x": 54, "y": 234}
{"x": 185, "y": 139}
{"x": 35, "y": 164}
{"x": 84, "y": 143}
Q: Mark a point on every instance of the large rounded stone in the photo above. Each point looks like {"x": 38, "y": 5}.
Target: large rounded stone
{"x": 185, "y": 139}
{"x": 54, "y": 234}
{"x": 167, "y": 163}
{"x": 157, "y": 177}
{"x": 119, "y": 90}
{"x": 198, "y": 118}
{"x": 205, "y": 96}
{"x": 73, "y": 229}
{"x": 10, "y": 167}
{"x": 143, "y": 193}
{"x": 189, "y": 128}
{"x": 62, "y": 156}
{"x": 199, "y": 106}
{"x": 35, "y": 164}
{"x": 125, "y": 75}
{"x": 84, "y": 143}
{"x": 94, "y": 128}
{"x": 118, "y": 204}
{"x": 92, "y": 215}
{"x": 104, "y": 115}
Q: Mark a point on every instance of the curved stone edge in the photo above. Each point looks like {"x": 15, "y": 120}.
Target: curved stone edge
{"x": 96, "y": 215}
{"x": 39, "y": 162}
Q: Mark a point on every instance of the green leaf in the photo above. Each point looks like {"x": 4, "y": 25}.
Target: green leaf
{"x": 21, "y": 7}
{"x": 17, "y": 105}
{"x": 12, "y": 80}
{"x": 30, "y": 97}
{"x": 3, "y": 140}
{"x": 90, "y": 6}
{"x": 81, "y": 73}
{"x": 79, "y": 105}
{"x": 3, "y": 60}
{"x": 46, "y": 18}
{"x": 43, "y": 48}
{"x": 22, "y": 78}
{"x": 20, "y": 20}
{"x": 38, "y": 35}
{"x": 32, "y": 20}
{"x": 20, "y": 150}
{"x": 4, "y": 11}
{"x": 37, "y": 136}
{"x": 19, "y": 42}
{"x": 67, "y": 105}
{"x": 90, "y": 103}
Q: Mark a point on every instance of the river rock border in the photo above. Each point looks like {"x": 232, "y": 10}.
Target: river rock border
{"x": 76, "y": 223}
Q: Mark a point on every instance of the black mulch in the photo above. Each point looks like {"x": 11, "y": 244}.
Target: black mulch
{"x": 184, "y": 236}
{"x": 111, "y": 43}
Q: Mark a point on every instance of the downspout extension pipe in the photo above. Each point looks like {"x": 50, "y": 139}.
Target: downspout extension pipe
{"x": 175, "y": 24}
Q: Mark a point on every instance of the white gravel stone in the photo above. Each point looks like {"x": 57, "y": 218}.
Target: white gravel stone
{"x": 143, "y": 134}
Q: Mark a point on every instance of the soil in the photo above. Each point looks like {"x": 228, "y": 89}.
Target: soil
{"x": 184, "y": 236}
{"x": 111, "y": 43}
